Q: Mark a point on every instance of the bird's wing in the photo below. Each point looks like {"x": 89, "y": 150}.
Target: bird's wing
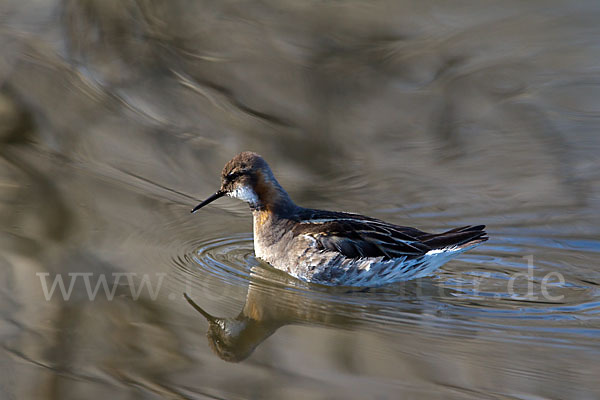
{"x": 356, "y": 236}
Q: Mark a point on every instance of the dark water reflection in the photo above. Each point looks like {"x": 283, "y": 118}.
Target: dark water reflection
{"x": 115, "y": 117}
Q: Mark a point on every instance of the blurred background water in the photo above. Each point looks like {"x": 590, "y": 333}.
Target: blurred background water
{"x": 117, "y": 116}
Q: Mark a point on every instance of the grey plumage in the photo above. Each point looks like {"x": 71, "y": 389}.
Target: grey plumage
{"x": 335, "y": 248}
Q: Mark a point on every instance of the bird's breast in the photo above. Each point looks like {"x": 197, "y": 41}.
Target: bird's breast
{"x": 261, "y": 232}
{"x": 260, "y": 219}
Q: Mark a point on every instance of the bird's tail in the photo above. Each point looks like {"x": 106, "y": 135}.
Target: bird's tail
{"x": 463, "y": 237}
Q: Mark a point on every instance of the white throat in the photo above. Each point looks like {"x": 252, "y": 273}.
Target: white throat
{"x": 246, "y": 194}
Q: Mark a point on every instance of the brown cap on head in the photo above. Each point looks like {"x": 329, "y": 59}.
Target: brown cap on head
{"x": 246, "y": 160}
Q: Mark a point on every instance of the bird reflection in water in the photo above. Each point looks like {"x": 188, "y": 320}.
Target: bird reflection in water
{"x": 234, "y": 339}
{"x": 269, "y": 307}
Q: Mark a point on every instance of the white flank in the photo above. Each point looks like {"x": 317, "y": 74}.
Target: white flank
{"x": 374, "y": 271}
{"x": 442, "y": 250}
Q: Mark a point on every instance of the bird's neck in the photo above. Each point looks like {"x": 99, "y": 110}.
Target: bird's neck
{"x": 273, "y": 200}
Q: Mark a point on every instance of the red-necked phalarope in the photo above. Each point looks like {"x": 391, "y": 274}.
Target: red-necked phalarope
{"x": 334, "y": 248}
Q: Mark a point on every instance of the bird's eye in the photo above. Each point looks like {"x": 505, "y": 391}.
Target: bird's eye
{"x": 233, "y": 175}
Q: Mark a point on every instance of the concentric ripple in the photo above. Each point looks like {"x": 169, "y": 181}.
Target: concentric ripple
{"x": 486, "y": 290}
{"x": 229, "y": 258}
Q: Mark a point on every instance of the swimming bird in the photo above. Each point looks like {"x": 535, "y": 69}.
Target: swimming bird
{"x": 329, "y": 247}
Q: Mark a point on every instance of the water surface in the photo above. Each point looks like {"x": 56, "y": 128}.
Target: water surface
{"x": 115, "y": 119}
